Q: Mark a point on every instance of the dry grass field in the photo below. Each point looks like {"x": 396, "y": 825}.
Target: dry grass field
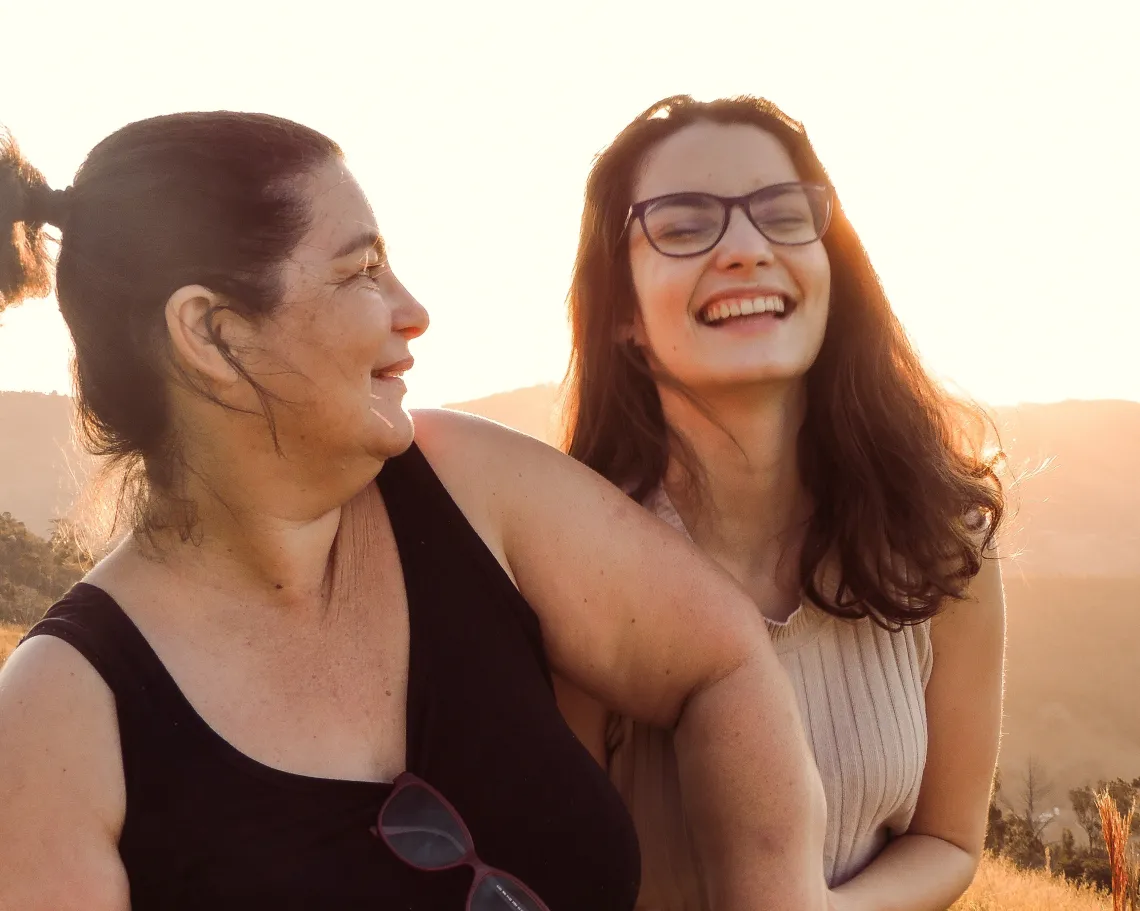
{"x": 9, "y": 636}
{"x": 1000, "y": 886}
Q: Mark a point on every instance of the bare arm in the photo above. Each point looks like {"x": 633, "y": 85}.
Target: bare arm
{"x": 636, "y": 617}
{"x": 62, "y": 796}
{"x": 930, "y": 866}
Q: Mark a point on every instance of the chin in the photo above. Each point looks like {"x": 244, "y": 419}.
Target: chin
{"x": 760, "y": 375}
{"x": 394, "y": 441}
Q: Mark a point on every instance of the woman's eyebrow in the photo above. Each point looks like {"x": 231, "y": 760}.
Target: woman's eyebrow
{"x": 366, "y": 241}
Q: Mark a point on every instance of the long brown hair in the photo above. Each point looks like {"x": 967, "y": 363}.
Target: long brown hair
{"x": 905, "y": 501}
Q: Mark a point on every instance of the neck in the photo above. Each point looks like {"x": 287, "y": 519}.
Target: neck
{"x": 264, "y": 525}
{"x": 749, "y": 506}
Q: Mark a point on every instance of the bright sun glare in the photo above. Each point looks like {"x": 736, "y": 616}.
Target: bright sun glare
{"x": 975, "y": 148}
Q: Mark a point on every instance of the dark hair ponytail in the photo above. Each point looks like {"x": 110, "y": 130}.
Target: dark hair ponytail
{"x": 196, "y": 198}
{"x": 26, "y": 204}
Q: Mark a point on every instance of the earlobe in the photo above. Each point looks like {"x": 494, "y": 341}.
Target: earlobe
{"x": 195, "y": 324}
{"x": 633, "y": 333}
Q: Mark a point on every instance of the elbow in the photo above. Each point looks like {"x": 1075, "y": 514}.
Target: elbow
{"x": 962, "y": 852}
{"x": 973, "y": 856}
{"x": 969, "y": 846}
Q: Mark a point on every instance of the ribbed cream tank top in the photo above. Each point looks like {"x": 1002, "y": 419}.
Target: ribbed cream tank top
{"x": 861, "y": 695}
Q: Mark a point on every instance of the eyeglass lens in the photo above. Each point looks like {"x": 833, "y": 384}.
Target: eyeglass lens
{"x": 422, "y": 831}
{"x": 687, "y": 224}
{"x": 425, "y": 833}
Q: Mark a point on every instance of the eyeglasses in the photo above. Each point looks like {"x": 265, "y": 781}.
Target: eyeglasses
{"x": 427, "y": 833}
{"x": 689, "y": 224}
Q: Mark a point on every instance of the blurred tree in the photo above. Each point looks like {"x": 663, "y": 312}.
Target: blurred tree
{"x": 1022, "y": 845}
{"x": 1123, "y": 793}
{"x": 1031, "y": 803}
{"x": 35, "y": 572}
{"x": 996, "y": 824}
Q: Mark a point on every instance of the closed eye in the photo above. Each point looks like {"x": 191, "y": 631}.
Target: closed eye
{"x": 373, "y": 270}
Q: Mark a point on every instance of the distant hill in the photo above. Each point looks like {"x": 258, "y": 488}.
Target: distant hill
{"x": 1075, "y": 511}
{"x": 1072, "y": 686}
{"x": 1080, "y": 513}
{"x": 40, "y": 467}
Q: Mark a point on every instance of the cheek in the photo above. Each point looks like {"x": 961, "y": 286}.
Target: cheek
{"x": 353, "y": 329}
{"x": 311, "y": 354}
{"x": 813, "y": 273}
{"x": 664, "y": 289}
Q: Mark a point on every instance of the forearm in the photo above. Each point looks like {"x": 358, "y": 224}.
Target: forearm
{"x": 913, "y": 873}
{"x": 752, "y": 794}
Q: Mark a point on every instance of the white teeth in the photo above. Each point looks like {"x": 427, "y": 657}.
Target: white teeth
{"x": 722, "y": 310}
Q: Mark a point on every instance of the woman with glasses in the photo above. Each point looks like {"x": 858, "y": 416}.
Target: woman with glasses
{"x": 316, "y": 672}
{"x": 737, "y": 369}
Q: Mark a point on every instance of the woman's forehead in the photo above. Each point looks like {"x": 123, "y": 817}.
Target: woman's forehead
{"x": 338, "y": 210}
{"x": 725, "y": 159}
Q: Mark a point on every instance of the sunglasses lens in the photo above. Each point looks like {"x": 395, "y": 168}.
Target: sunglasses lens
{"x": 422, "y": 831}
{"x": 498, "y": 892}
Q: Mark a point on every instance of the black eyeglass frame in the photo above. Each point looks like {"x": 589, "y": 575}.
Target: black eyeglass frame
{"x": 727, "y": 204}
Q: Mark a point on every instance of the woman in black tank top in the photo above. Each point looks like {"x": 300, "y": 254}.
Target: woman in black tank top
{"x": 309, "y": 604}
{"x": 478, "y": 675}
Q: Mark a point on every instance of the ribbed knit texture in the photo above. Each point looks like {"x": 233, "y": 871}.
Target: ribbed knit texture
{"x": 861, "y": 695}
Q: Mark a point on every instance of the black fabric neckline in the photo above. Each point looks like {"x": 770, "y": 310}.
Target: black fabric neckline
{"x": 158, "y": 675}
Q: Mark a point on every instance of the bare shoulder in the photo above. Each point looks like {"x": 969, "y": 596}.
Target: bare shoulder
{"x": 45, "y": 675}
{"x": 491, "y": 470}
{"x": 483, "y": 452}
{"x": 460, "y": 444}
{"x": 981, "y": 612}
{"x": 55, "y": 708}
{"x": 61, "y": 782}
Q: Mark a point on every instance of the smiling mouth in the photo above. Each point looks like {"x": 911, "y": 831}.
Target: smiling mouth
{"x": 769, "y": 305}
{"x": 393, "y": 371}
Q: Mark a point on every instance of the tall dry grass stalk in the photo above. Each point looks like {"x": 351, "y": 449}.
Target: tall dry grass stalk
{"x": 1117, "y": 829}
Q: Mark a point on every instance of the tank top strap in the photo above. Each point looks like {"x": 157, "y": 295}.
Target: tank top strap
{"x": 152, "y": 713}
{"x": 443, "y": 557}
{"x": 91, "y": 621}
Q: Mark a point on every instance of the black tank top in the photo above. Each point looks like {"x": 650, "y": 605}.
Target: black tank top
{"x": 208, "y": 827}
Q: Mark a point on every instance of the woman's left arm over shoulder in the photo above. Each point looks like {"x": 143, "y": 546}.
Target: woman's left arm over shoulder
{"x": 933, "y": 863}
{"x": 639, "y": 619}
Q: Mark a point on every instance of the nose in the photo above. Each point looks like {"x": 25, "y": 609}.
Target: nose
{"x": 409, "y": 317}
{"x": 742, "y": 246}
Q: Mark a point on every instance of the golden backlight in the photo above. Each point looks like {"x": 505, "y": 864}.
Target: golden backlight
{"x": 984, "y": 151}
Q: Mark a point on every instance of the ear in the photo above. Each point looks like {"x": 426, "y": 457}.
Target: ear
{"x": 197, "y": 320}
{"x": 633, "y": 332}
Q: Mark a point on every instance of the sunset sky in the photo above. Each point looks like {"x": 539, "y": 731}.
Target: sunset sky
{"x": 985, "y": 151}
